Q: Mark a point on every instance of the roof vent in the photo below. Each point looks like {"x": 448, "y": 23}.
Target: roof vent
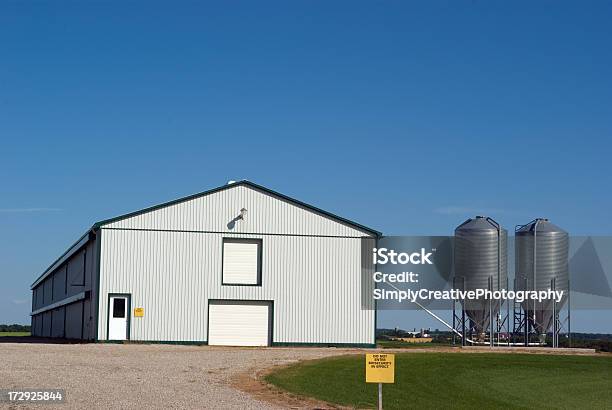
{"x": 230, "y": 182}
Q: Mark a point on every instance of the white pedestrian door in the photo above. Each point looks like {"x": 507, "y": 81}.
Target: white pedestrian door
{"x": 118, "y": 318}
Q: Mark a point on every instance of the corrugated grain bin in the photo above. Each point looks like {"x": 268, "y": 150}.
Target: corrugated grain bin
{"x": 481, "y": 259}
{"x": 541, "y": 257}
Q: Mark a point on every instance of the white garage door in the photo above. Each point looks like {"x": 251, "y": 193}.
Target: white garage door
{"x": 233, "y": 323}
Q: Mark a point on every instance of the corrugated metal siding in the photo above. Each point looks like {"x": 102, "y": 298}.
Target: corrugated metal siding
{"x": 37, "y": 330}
{"x": 90, "y": 319}
{"x": 38, "y": 298}
{"x": 314, "y": 281}
{"x": 46, "y": 331}
{"x": 215, "y": 213}
{"x": 76, "y": 270}
{"x": 59, "y": 285}
{"x": 74, "y": 320}
{"x": 48, "y": 290}
{"x": 57, "y": 328}
{"x": 80, "y": 273}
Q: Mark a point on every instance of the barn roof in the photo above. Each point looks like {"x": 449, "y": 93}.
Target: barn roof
{"x": 83, "y": 240}
{"x": 235, "y": 184}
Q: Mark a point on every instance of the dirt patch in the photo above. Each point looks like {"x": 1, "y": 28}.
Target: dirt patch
{"x": 254, "y": 383}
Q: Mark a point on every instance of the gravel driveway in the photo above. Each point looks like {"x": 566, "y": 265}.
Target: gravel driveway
{"x": 141, "y": 376}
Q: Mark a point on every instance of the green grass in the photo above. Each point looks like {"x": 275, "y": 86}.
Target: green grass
{"x": 14, "y": 334}
{"x": 456, "y": 380}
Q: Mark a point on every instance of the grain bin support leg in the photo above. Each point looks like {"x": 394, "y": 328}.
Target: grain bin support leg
{"x": 491, "y": 331}
{"x": 555, "y": 318}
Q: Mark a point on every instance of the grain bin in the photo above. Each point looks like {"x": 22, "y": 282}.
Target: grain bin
{"x": 541, "y": 263}
{"x": 481, "y": 262}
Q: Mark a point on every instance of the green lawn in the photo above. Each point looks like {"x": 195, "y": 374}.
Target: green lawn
{"x": 456, "y": 380}
{"x": 14, "y": 334}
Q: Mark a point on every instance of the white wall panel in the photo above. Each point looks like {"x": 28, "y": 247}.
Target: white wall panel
{"x": 217, "y": 212}
{"x": 315, "y": 282}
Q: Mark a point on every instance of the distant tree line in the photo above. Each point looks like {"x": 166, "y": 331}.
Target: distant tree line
{"x": 602, "y": 342}
{"x": 599, "y": 342}
{"x": 436, "y": 335}
{"x": 15, "y": 328}
{"x": 591, "y": 336}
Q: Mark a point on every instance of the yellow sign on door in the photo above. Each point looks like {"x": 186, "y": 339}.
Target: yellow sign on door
{"x": 380, "y": 368}
{"x": 138, "y": 312}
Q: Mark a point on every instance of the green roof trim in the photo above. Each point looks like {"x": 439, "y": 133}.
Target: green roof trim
{"x": 232, "y": 185}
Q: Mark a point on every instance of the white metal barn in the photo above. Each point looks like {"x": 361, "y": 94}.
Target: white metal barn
{"x": 236, "y": 265}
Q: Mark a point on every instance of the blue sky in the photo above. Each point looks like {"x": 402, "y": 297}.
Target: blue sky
{"x": 405, "y": 117}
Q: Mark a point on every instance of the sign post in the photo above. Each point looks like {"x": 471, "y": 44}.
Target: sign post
{"x": 380, "y": 368}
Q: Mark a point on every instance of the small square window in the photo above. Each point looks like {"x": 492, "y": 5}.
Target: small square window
{"x": 242, "y": 261}
{"x": 119, "y": 307}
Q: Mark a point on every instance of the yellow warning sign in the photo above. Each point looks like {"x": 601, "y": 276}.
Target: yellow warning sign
{"x": 380, "y": 368}
{"x": 138, "y": 312}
